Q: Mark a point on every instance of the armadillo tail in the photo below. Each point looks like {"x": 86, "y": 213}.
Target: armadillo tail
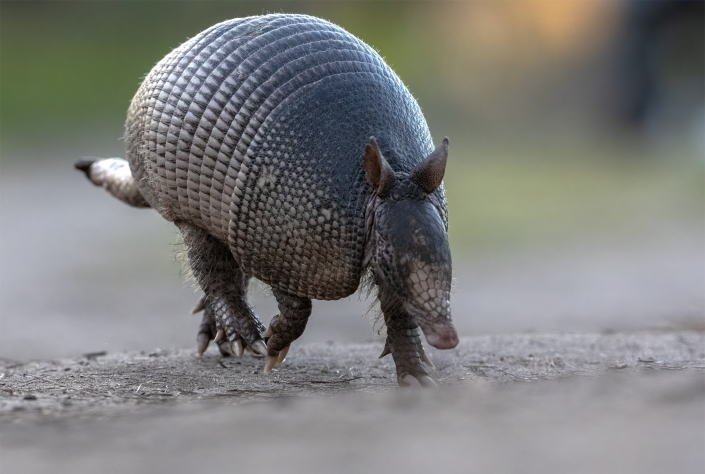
{"x": 114, "y": 175}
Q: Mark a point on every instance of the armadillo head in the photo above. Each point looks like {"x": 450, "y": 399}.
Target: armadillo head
{"x": 409, "y": 252}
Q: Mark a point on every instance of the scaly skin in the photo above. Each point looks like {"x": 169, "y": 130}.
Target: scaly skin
{"x": 403, "y": 340}
{"x": 254, "y": 138}
{"x": 224, "y": 284}
{"x": 285, "y": 327}
{"x": 208, "y": 330}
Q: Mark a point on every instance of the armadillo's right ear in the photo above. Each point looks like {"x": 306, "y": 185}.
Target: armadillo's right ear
{"x": 379, "y": 173}
{"x": 429, "y": 173}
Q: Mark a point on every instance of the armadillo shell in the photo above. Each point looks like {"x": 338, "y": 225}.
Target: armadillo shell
{"x": 255, "y": 131}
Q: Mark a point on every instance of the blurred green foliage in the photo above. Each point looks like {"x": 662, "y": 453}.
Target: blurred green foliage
{"x": 80, "y": 62}
{"x": 559, "y": 192}
{"x": 509, "y": 82}
{"x": 480, "y": 64}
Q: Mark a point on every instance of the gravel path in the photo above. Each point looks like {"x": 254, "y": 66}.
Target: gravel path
{"x": 114, "y": 383}
{"x": 631, "y": 402}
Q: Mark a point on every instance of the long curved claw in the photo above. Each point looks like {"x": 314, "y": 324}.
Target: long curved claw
{"x": 427, "y": 361}
{"x": 236, "y": 347}
{"x": 426, "y": 381}
{"x": 282, "y": 356}
{"x": 219, "y": 336}
{"x": 202, "y": 341}
{"x": 276, "y": 360}
{"x": 224, "y": 348}
{"x": 259, "y": 347}
{"x": 268, "y": 332}
{"x": 408, "y": 380}
{"x": 269, "y": 365}
{"x": 421, "y": 380}
{"x": 200, "y": 306}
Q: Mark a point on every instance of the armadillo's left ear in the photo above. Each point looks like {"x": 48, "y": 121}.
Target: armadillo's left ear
{"x": 379, "y": 173}
{"x": 429, "y": 173}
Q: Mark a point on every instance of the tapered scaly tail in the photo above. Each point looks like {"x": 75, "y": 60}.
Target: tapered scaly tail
{"x": 114, "y": 175}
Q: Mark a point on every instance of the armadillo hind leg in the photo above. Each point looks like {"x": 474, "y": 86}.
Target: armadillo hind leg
{"x": 114, "y": 175}
{"x": 208, "y": 331}
{"x": 404, "y": 343}
{"x": 225, "y": 287}
{"x": 285, "y": 327}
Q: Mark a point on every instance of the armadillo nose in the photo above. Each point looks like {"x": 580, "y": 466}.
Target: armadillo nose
{"x": 85, "y": 166}
{"x": 446, "y": 338}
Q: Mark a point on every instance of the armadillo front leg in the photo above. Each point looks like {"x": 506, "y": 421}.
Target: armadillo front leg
{"x": 285, "y": 327}
{"x": 404, "y": 342}
{"x": 225, "y": 287}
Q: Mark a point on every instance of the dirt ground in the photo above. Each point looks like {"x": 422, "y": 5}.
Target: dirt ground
{"x": 623, "y": 402}
{"x": 580, "y": 356}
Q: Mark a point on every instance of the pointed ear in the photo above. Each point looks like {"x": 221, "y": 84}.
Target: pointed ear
{"x": 379, "y": 174}
{"x": 428, "y": 174}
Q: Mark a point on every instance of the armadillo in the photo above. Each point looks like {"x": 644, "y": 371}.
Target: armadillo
{"x": 285, "y": 149}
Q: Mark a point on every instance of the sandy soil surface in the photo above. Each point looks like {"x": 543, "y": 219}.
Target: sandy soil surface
{"x": 624, "y": 392}
{"x": 596, "y": 403}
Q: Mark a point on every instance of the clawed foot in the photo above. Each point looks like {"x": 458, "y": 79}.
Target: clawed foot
{"x": 209, "y": 330}
{"x": 285, "y": 327}
{"x": 404, "y": 343}
{"x": 274, "y": 358}
{"x": 421, "y": 380}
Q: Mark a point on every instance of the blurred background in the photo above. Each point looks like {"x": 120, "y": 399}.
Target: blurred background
{"x": 575, "y": 180}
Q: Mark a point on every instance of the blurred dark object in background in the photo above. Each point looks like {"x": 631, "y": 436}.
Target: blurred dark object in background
{"x": 660, "y": 72}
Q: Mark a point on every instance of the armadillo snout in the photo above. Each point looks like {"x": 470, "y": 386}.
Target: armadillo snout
{"x": 429, "y": 304}
{"x": 443, "y": 337}
{"x": 413, "y": 257}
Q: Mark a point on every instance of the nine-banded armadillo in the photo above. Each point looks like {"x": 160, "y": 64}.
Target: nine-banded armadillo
{"x": 284, "y": 148}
